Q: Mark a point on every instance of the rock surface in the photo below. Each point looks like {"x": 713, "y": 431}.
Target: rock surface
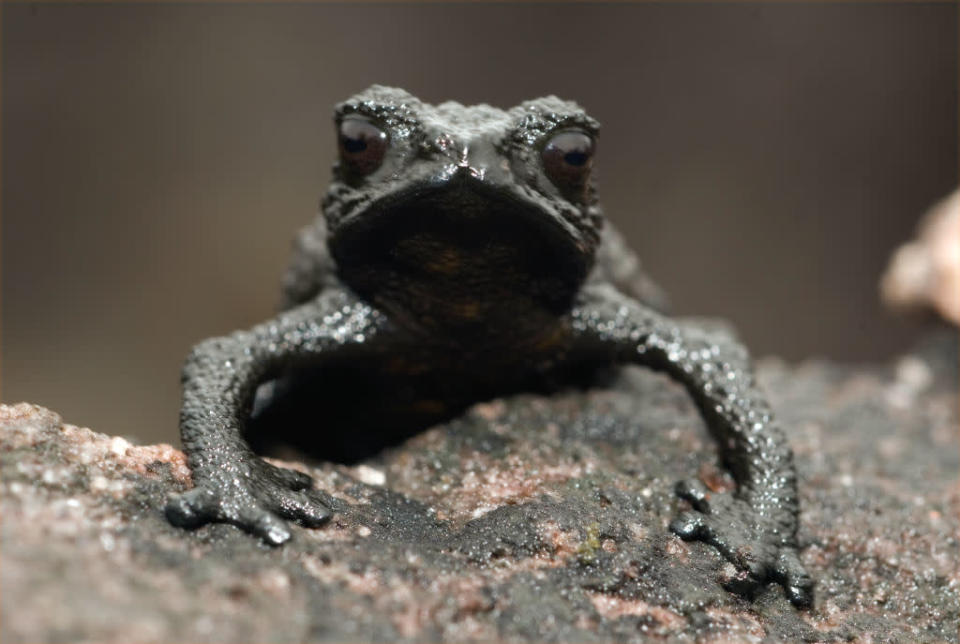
{"x": 528, "y": 519}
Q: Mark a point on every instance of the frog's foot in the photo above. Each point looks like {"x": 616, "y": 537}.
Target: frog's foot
{"x": 746, "y": 539}
{"x": 254, "y": 496}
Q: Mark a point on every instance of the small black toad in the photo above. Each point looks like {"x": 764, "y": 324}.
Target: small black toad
{"x": 464, "y": 248}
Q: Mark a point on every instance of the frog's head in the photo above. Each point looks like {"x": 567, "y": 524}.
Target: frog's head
{"x": 457, "y": 215}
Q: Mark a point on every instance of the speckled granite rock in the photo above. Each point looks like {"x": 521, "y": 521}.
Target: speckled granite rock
{"x": 529, "y": 519}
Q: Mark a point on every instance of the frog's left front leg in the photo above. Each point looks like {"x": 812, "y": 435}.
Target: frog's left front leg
{"x": 231, "y": 483}
{"x": 754, "y": 528}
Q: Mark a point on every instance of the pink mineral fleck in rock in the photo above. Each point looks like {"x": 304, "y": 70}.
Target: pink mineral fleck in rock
{"x": 612, "y": 607}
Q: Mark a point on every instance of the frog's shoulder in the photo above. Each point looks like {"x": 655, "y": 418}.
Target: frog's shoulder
{"x": 311, "y": 268}
{"x": 617, "y": 264}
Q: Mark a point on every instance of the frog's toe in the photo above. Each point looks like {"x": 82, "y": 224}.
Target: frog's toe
{"x": 729, "y": 525}
{"x": 302, "y": 507}
{"x": 192, "y": 508}
{"x": 750, "y": 558}
{"x": 688, "y": 525}
{"x": 226, "y": 504}
{"x": 797, "y": 583}
{"x": 257, "y": 505}
{"x": 694, "y": 491}
{"x": 747, "y": 554}
{"x": 262, "y": 523}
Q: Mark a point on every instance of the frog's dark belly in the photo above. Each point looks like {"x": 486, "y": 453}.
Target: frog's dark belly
{"x": 349, "y": 411}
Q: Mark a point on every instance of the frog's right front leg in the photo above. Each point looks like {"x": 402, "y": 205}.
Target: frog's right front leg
{"x": 231, "y": 483}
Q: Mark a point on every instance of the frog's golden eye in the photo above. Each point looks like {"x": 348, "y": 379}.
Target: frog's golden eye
{"x": 362, "y": 144}
{"x": 567, "y": 158}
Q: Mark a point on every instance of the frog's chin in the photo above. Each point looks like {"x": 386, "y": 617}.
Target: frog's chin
{"x": 469, "y": 246}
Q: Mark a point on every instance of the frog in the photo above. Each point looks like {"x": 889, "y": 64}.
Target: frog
{"x": 464, "y": 249}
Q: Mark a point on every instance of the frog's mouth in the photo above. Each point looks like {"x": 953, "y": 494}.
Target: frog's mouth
{"x": 455, "y": 254}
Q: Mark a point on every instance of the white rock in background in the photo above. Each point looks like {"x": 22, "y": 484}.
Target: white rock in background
{"x": 926, "y": 272}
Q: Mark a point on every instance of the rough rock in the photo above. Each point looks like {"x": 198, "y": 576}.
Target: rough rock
{"x": 530, "y": 518}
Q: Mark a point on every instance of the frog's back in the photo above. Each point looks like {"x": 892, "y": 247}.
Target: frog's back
{"x": 312, "y": 268}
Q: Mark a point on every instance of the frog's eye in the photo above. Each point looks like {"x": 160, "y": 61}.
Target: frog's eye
{"x": 362, "y": 144}
{"x": 567, "y": 158}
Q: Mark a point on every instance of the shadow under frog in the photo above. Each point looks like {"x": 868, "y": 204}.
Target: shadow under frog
{"x": 462, "y": 254}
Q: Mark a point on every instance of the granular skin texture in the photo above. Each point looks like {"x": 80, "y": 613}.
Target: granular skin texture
{"x": 462, "y": 255}
{"x": 576, "y": 550}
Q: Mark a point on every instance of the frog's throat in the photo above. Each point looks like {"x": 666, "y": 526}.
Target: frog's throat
{"x": 461, "y": 252}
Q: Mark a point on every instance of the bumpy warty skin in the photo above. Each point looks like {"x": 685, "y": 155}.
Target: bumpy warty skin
{"x": 462, "y": 254}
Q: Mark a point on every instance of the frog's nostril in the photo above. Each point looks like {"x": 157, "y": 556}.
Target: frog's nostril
{"x": 456, "y": 176}
{"x": 466, "y": 171}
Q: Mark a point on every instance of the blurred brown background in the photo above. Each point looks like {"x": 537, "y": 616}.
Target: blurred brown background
{"x": 157, "y": 159}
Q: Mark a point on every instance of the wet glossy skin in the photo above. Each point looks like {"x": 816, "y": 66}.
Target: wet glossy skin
{"x": 464, "y": 249}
